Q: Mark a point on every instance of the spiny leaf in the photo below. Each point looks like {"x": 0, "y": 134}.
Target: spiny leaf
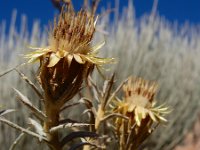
{"x": 30, "y": 83}
{"x": 130, "y": 135}
{"x": 105, "y": 88}
{"x": 38, "y": 128}
{"x": 108, "y": 89}
{"x": 96, "y": 91}
{"x": 17, "y": 140}
{"x": 116, "y": 91}
{"x": 10, "y": 70}
{"x": 68, "y": 125}
{"x": 29, "y": 105}
{"x": 6, "y": 111}
{"x": 17, "y": 127}
{"x": 96, "y": 95}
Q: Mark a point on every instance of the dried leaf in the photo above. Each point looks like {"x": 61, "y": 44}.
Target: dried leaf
{"x": 105, "y": 87}
{"x": 29, "y": 105}
{"x": 95, "y": 89}
{"x": 68, "y": 125}
{"x": 17, "y": 140}
{"x": 4, "y": 112}
{"x": 108, "y": 91}
{"x": 30, "y": 83}
{"x": 116, "y": 91}
{"x": 10, "y": 70}
{"x": 38, "y": 128}
{"x": 15, "y": 126}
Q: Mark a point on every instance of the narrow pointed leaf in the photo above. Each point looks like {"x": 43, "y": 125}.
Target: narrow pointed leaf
{"x": 17, "y": 127}
{"x": 30, "y": 106}
{"x": 108, "y": 89}
{"x": 30, "y": 83}
{"x": 17, "y": 140}
{"x": 68, "y": 125}
{"x": 10, "y": 70}
{"x": 4, "y": 112}
{"x": 105, "y": 87}
{"x": 116, "y": 91}
{"x": 38, "y": 128}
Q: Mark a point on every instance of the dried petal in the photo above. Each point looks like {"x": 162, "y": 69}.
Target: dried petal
{"x": 78, "y": 59}
{"x": 53, "y": 60}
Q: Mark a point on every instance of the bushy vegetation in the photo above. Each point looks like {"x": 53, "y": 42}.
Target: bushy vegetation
{"x": 150, "y": 48}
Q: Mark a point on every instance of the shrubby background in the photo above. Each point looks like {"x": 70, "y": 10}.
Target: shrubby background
{"x": 150, "y": 47}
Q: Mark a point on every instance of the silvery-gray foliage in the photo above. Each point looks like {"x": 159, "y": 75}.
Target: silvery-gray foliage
{"x": 150, "y": 47}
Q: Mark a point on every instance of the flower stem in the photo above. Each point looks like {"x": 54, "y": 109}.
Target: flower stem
{"x": 52, "y": 113}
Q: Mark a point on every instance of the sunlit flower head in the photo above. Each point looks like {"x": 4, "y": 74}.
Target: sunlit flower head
{"x": 138, "y": 102}
{"x": 69, "y": 57}
{"x": 71, "y": 38}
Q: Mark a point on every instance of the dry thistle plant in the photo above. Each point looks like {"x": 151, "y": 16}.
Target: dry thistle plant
{"x": 138, "y": 106}
{"x": 65, "y": 64}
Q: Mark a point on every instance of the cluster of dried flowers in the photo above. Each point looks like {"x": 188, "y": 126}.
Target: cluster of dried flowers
{"x": 68, "y": 60}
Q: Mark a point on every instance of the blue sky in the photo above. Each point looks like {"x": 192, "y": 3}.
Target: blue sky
{"x": 173, "y": 10}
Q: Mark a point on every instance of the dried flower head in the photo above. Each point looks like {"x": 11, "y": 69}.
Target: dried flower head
{"x": 138, "y": 102}
{"x": 69, "y": 56}
{"x": 138, "y": 105}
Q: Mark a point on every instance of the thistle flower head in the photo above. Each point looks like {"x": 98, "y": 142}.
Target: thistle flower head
{"x": 69, "y": 56}
{"x": 71, "y": 38}
{"x": 138, "y": 102}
